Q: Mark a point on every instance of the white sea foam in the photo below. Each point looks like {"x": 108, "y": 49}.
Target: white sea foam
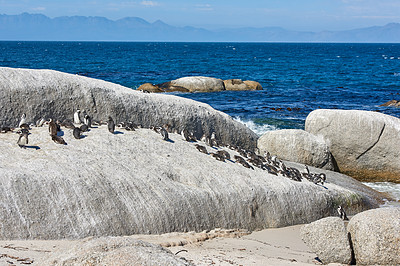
{"x": 259, "y": 129}
{"x": 392, "y": 189}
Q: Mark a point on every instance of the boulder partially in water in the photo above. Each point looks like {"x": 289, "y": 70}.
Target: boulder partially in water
{"x": 48, "y": 93}
{"x": 193, "y": 84}
{"x": 297, "y": 146}
{"x": 148, "y": 87}
{"x": 364, "y": 144}
{"x": 239, "y": 85}
{"x": 393, "y": 103}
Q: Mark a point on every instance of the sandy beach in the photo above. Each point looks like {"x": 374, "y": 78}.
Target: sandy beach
{"x": 275, "y": 246}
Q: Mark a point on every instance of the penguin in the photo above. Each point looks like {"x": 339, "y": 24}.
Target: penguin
{"x": 224, "y": 154}
{"x": 164, "y": 133}
{"x": 342, "y": 213}
{"x": 201, "y": 148}
{"x": 77, "y": 133}
{"x": 52, "y": 128}
{"x": 23, "y": 120}
{"x": 40, "y": 122}
{"x": 77, "y": 119}
{"x": 185, "y": 134}
{"x": 218, "y": 157}
{"x": 58, "y": 140}
{"x": 23, "y": 139}
{"x": 87, "y": 120}
{"x": 84, "y": 128}
{"x": 111, "y": 125}
{"x": 213, "y": 140}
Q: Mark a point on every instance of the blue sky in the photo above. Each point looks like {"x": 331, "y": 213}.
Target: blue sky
{"x": 312, "y": 15}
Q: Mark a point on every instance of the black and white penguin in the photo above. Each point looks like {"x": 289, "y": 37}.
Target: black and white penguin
{"x": 84, "y": 128}
{"x": 201, "y": 148}
{"x": 52, "y": 128}
{"x": 185, "y": 134}
{"x": 224, "y": 154}
{"x": 111, "y": 125}
{"x": 77, "y": 119}
{"x": 23, "y": 120}
{"x": 213, "y": 140}
{"x": 87, "y": 120}
{"x": 342, "y": 213}
{"x": 23, "y": 139}
{"x": 58, "y": 140}
{"x": 40, "y": 122}
{"x": 77, "y": 133}
{"x": 218, "y": 157}
{"x": 164, "y": 133}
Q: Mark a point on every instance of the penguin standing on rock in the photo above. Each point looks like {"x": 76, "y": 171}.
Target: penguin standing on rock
{"x": 77, "y": 133}
{"x": 111, "y": 125}
{"x": 23, "y": 139}
{"x": 87, "y": 120}
{"x": 164, "y": 133}
{"x": 77, "y": 119}
{"x": 23, "y": 120}
{"x": 342, "y": 213}
{"x": 52, "y": 128}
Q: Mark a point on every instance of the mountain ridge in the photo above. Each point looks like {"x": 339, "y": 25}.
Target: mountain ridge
{"x": 38, "y": 27}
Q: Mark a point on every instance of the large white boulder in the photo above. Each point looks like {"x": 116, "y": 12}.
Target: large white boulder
{"x": 134, "y": 182}
{"x": 364, "y": 144}
{"x": 375, "y": 235}
{"x": 55, "y": 94}
{"x": 297, "y": 146}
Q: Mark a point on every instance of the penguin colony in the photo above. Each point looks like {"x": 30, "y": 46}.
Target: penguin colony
{"x": 246, "y": 158}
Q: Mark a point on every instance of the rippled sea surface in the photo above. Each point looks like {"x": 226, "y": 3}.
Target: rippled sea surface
{"x": 297, "y": 77}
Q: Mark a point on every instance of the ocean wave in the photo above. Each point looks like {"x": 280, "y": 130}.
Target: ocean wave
{"x": 391, "y": 188}
{"x": 259, "y": 129}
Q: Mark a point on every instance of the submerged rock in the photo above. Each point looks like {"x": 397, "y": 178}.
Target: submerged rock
{"x": 328, "y": 239}
{"x": 297, "y": 146}
{"x": 375, "y": 235}
{"x": 363, "y": 143}
{"x": 394, "y": 103}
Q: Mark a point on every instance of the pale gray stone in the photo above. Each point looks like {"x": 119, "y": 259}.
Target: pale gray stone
{"x": 48, "y": 93}
{"x": 328, "y": 239}
{"x": 297, "y": 146}
{"x": 364, "y": 144}
{"x": 114, "y": 251}
{"x": 239, "y": 85}
{"x": 193, "y": 84}
{"x": 375, "y": 235}
{"x": 133, "y": 182}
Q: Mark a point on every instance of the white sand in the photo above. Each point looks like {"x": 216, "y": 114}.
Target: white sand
{"x": 281, "y": 246}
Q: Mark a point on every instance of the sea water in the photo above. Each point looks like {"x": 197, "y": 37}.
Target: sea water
{"x": 297, "y": 78}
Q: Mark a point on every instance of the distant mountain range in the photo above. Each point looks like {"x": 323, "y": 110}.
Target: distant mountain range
{"x": 38, "y": 27}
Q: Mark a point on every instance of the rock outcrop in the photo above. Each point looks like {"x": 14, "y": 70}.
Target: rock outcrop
{"x": 393, "y": 103}
{"x": 364, "y": 144}
{"x": 148, "y": 87}
{"x": 134, "y": 182}
{"x": 114, "y": 251}
{"x": 47, "y": 93}
{"x": 239, "y": 85}
{"x": 375, "y": 235}
{"x": 328, "y": 239}
{"x": 193, "y": 84}
{"x": 297, "y": 146}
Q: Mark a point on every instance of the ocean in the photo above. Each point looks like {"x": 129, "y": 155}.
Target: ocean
{"x": 297, "y": 78}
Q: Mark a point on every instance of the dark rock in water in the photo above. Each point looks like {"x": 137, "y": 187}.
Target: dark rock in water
{"x": 393, "y": 103}
{"x": 239, "y": 85}
{"x": 148, "y": 87}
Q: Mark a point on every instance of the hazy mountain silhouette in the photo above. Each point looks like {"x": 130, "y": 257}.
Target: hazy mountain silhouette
{"x": 39, "y": 27}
